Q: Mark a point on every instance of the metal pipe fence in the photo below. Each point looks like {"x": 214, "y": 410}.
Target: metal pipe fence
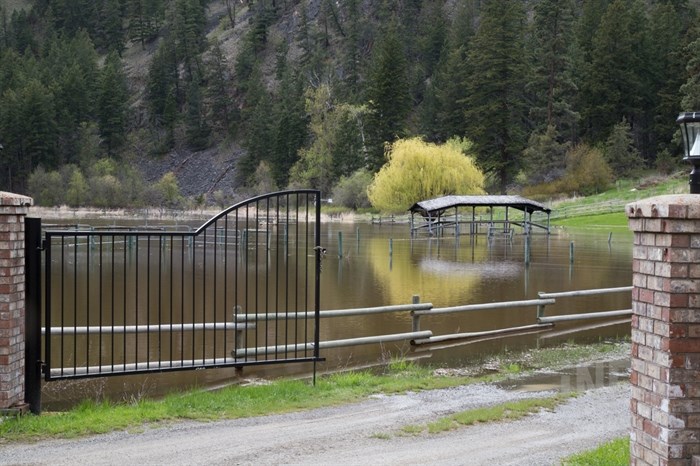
{"x": 420, "y": 310}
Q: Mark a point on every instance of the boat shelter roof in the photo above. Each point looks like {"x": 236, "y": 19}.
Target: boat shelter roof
{"x": 435, "y": 207}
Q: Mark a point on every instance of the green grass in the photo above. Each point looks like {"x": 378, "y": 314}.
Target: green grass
{"x": 613, "y": 453}
{"x": 280, "y": 396}
{"x": 616, "y": 221}
{"x": 510, "y": 411}
{"x": 613, "y": 201}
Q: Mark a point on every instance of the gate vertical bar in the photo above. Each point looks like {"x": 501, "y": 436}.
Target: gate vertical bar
{"x": 317, "y": 291}
{"x": 47, "y": 305}
{"x": 32, "y": 364}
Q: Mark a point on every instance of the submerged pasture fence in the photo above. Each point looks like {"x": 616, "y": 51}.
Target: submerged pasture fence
{"x": 420, "y": 311}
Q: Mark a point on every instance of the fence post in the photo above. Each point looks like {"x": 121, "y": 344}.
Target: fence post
{"x": 665, "y": 401}
{"x": 13, "y": 209}
{"x": 415, "y": 319}
{"x": 540, "y": 308}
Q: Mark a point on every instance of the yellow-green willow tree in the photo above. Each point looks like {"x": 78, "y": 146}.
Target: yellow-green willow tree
{"x": 418, "y": 170}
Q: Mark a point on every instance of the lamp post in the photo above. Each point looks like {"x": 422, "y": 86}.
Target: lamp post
{"x": 690, "y": 133}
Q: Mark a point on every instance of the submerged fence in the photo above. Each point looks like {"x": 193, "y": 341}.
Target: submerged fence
{"x": 423, "y": 311}
{"x": 242, "y": 323}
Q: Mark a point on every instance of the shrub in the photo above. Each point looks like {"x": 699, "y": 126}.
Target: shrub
{"x": 351, "y": 191}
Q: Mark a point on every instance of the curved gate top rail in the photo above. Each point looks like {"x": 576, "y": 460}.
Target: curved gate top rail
{"x": 120, "y": 302}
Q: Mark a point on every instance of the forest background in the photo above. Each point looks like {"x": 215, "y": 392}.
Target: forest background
{"x": 125, "y": 103}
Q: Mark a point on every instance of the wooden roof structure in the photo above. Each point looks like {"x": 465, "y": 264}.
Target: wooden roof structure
{"x": 433, "y": 207}
{"x": 436, "y": 215}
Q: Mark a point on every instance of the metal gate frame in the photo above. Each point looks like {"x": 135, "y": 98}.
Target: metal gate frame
{"x": 94, "y": 320}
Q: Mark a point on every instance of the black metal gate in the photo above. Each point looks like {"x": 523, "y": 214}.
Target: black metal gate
{"x": 123, "y": 300}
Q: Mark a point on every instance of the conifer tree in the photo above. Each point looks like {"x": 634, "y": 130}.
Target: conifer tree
{"x": 667, "y": 63}
{"x": 388, "y": 97}
{"x": 112, "y": 103}
{"x": 620, "y": 153}
{"x": 217, "y": 89}
{"x": 196, "y": 126}
{"x": 544, "y": 159}
{"x": 690, "y": 90}
{"x": 109, "y": 28}
{"x": 553, "y": 85}
{"x": 290, "y": 126}
{"x": 617, "y": 84}
{"x": 259, "y": 131}
{"x": 496, "y": 110}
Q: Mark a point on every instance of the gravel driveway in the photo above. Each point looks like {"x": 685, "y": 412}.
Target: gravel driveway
{"x": 368, "y": 432}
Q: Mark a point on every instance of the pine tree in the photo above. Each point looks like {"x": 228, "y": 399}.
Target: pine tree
{"x": 290, "y": 126}
{"x": 496, "y": 109}
{"x": 29, "y": 131}
{"x": 617, "y": 83}
{"x": 217, "y": 89}
{"x": 113, "y": 96}
{"x": 388, "y": 97}
{"x": 545, "y": 157}
{"x": 145, "y": 18}
{"x": 109, "y": 29}
{"x": 553, "y": 85}
{"x": 196, "y": 127}
{"x": 259, "y": 131}
{"x": 351, "y": 49}
{"x": 620, "y": 153}
{"x": 690, "y": 90}
{"x": 162, "y": 80}
{"x": 667, "y": 63}
{"x": 442, "y": 115}
{"x": 189, "y": 34}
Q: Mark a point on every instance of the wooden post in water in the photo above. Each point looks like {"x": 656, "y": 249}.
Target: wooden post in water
{"x": 415, "y": 319}
{"x": 340, "y": 245}
{"x": 527, "y": 250}
{"x": 391, "y": 247}
{"x": 571, "y": 252}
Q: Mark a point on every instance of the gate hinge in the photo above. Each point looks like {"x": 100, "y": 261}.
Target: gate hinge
{"x": 42, "y": 245}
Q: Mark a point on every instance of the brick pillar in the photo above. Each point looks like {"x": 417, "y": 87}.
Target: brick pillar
{"x": 13, "y": 209}
{"x": 665, "y": 377}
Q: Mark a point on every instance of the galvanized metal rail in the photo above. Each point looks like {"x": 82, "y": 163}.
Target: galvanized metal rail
{"x": 420, "y": 310}
{"x": 590, "y": 315}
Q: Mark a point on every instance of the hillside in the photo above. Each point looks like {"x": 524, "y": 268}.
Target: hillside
{"x": 236, "y": 97}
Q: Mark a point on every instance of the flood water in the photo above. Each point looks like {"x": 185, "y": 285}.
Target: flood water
{"x": 374, "y": 265}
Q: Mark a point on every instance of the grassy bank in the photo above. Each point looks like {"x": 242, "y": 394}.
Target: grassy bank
{"x": 282, "y": 396}
{"x": 607, "y": 209}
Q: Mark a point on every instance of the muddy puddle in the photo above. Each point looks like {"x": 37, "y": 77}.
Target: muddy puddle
{"x": 573, "y": 379}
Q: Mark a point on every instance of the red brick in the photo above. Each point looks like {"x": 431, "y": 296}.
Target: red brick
{"x": 646, "y": 296}
{"x": 679, "y": 270}
{"x": 684, "y": 345}
{"x": 677, "y": 330}
{"x": 681, "y": 299}
{"x": 680, "y": 241}
{"x": 651, "y": 428}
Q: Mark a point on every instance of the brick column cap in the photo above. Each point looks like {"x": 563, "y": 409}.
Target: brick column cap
{"x": 15, "y": 200}
{"x": 671, "y": 206}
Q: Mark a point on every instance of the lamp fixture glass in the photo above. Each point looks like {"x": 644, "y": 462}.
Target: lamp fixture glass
{"x": 690, "y": 131}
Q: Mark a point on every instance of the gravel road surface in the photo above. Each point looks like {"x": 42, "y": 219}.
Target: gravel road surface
{"x": 368, "y": 432}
